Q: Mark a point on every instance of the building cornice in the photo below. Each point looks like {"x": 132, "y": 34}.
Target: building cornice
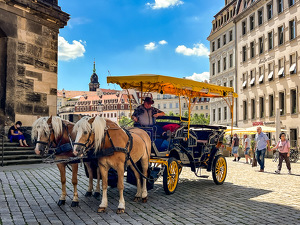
{"x": 240, "y": 15}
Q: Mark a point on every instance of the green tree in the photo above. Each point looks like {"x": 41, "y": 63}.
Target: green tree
{"x": 200, "y": 119}
{"x": 171, "y": 113}
{"x": 126, "y": 122}
{"x": 186, "y": 114}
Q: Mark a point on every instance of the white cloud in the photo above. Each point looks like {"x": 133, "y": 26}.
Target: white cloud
{"x": 197, "y": 50}
{"x": 159, "y": 4}
{"x": 68, "y": 51}
{"x": 162, "y": 42}
{"x": 199, "y": 76}
{"x": 151, "y": 46}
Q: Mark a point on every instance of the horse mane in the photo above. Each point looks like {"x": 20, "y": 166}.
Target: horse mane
{"x": 98, "y": 127}
{"x": 38, "y": 126}
{"x": 57, "y": 126}
{"x": 41, "y": 125}
{"x": 82, "y": 125}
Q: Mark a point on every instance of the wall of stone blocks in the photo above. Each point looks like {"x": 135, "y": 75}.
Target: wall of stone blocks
{"x": 31, "y": 69}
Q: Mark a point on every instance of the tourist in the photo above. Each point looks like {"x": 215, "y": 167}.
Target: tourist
{"x": 262, "y": 142}
{"x": 235, "y": 147}
{"x": 145, "y": 114}
{"x": 14, "y": 134}
{"x": 283, "y": 146}
{"x": 247, "y": 148}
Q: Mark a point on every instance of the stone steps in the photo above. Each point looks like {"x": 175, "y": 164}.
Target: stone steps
{"x": 13, "y": 154}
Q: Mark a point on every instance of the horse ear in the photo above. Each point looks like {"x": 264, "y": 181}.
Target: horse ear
{"x": 49, "y": 121}
{"x": 91, "y": 120}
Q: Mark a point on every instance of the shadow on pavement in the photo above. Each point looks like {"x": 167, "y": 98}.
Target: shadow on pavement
{"x": 194, "y": 202}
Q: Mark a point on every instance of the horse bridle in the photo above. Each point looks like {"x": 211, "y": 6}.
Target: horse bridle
{"x": 86, "y": 147}
{"x": 50, "y": 143}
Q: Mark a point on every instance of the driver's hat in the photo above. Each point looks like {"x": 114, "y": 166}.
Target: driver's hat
{"x": 149, "y": 100}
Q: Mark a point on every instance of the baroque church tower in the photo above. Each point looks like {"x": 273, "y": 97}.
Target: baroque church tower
{"x": 94, "y": 84}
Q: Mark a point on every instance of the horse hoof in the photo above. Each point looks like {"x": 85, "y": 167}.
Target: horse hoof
{"x": 97, "y": 195}
{"x": 120, "y": 211}
{"x": 88, "y": 194}
{"x": 101, "y": 209}
{"x": 144, "y": 200}
{"x": 75, "y": 204}
{"x": 137, "y": 199}
{"x": 61, "y": 202}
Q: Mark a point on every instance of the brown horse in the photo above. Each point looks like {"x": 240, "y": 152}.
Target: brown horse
{"x": 105, "y": 135}
{"x": 54, "y": 132}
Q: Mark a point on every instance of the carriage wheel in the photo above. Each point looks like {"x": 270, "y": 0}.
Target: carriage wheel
{"x": 219, "y": 169}
{"x": 171, "y": 176}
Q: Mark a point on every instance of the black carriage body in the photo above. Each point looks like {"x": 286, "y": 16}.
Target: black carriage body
{"x": 196, "y": 151}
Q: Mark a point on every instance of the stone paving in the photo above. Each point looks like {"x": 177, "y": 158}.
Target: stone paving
{"x": 28, "y": 195}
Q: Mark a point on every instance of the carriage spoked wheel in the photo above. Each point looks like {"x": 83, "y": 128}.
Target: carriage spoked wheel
{"x": 171, "y": 176}
{"x": 219, "y": 169}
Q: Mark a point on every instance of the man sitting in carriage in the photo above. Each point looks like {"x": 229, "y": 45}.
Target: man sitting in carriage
{"x": 145, "y": 115}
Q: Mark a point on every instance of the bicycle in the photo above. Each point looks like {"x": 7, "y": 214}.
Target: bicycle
{"x": 275, "y": 155}
{"x": 294, "y": 156}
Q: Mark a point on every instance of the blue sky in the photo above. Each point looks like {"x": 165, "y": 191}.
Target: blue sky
{"x": 129, "y": 37}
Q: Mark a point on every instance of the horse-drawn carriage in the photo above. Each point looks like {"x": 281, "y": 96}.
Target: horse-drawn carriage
{"x": 194, "y": 146}
{"x": 162, "y": 149}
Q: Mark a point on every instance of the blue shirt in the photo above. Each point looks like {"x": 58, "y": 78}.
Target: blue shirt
{"x": 261, "y": 141}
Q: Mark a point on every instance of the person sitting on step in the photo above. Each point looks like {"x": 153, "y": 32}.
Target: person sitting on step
{"x": 14, "y": 134}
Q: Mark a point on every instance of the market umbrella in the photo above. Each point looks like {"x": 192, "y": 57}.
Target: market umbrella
{"x": 264, "y": 129}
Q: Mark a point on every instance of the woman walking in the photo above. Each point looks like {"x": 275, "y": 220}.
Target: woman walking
{"x": 247, "y": 148}
{"x": 283, "y": 146}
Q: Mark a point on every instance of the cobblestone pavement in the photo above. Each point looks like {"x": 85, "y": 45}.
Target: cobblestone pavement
{"x": 28, "y": 195}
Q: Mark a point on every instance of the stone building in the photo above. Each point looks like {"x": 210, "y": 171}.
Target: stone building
{"x": 268, "y": 49}
{"x": 170, "y": 103}
{"x": 222, "y": 61}
{"x": 28, "y": 58}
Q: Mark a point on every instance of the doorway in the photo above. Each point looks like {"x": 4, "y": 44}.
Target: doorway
{"x": 293, "y": 137}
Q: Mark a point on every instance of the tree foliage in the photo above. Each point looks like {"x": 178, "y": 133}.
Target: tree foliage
{"x": 125, "y": 122}
{"x": 200, "y": 119}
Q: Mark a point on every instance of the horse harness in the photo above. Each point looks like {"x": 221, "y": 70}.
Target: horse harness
{"x": 59, "y": 149}
{"x": 107, "y": 151}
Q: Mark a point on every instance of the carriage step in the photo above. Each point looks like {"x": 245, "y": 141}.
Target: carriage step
{"x": 204, "y": 176}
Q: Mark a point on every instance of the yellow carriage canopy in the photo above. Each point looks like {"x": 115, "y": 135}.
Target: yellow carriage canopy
{"x": 171, "y": 85}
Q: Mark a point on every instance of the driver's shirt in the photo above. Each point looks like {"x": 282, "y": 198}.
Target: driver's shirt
{"x": 145, "y": 116}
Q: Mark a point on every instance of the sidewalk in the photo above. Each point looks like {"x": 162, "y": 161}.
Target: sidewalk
{"x": 28, "y": 195}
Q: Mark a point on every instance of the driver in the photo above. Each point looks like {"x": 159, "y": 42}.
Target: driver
{"x": 145, "y": 114}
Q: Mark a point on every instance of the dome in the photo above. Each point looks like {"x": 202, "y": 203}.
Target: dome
{"x": 94, "y": 78}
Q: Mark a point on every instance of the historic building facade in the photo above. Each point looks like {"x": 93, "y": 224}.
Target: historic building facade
{"x": 268, "y": 49}
{"x": 170, "y": 103}
{"x": 107, "y": 103}
{"x": 28, "y": 59}
{"x": 222, "y": 61}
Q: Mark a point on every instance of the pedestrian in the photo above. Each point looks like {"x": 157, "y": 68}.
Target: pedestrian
{"x": 14, "y": 134}
{"x": 247, "y": 148}
{"x": 262, "y": 143}
{"x": 283, "y": 147}
{"x": 235, "y": 147}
